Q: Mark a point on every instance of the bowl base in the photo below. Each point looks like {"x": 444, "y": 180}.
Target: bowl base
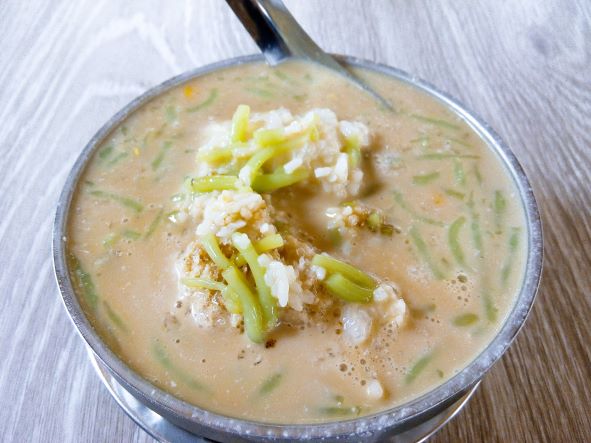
{"x": 164, "y": 431}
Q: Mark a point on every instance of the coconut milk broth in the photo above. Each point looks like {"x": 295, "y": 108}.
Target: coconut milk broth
{"x": 127, "y": 252}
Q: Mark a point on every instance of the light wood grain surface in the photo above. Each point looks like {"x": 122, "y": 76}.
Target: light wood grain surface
{"x": 67, "y": 66}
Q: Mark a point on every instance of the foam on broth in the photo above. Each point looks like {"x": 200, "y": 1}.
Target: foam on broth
{"x": 125, "y": 249}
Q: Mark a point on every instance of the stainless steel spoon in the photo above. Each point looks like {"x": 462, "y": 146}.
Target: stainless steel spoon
{"x": 280, "y": 37}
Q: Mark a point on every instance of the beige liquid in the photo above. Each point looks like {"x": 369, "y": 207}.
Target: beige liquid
{"x": 321, "y": 379}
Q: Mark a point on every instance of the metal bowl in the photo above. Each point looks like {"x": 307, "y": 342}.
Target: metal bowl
{"x": 375, "y": 427}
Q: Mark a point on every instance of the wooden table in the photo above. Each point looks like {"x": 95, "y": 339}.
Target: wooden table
{"x": 66, "y": 66}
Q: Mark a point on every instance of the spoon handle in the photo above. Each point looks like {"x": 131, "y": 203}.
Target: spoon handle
{"x": 277, "y": 33}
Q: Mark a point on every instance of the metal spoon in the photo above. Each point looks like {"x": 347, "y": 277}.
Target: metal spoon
{"x": 280, "y": 37}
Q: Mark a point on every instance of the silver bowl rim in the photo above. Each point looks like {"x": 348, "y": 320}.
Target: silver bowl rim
{"x": 376, "y": 422}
